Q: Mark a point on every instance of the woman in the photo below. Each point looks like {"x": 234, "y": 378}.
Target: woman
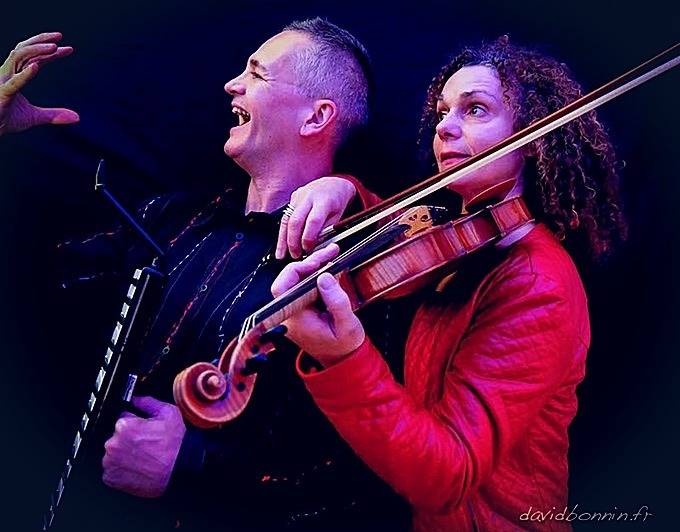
{"x": 477, "y": 435}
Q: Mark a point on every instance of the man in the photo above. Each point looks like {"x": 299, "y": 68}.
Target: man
{"x": 300, "y": 95}
{"x": 286, "y": 137}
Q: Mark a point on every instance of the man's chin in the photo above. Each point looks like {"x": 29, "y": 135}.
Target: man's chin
{"x": 235, "y": 153}
{"x": 230, "y": 149}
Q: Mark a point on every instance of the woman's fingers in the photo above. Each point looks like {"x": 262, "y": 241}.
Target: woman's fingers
{"x": 296, "y": 271}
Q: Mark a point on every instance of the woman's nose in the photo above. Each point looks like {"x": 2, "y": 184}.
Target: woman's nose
{"x": 448, "y": 127}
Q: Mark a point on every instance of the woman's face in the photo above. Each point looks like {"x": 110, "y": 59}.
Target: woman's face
{"x": 473, "y": 116}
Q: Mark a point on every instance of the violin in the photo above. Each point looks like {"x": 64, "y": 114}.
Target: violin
{"x": 429, "y": 246}
{"x": 417, "y": 247}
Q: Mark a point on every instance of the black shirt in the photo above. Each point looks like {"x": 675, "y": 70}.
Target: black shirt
{"x": 278, "y": 466}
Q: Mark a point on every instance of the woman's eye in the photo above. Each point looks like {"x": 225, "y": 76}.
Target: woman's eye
{"x": 256, "y": 75}
{"x": 441, "y": 114}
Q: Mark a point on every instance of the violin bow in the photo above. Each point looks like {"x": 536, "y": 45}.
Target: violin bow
{"x": 618, "y": 86}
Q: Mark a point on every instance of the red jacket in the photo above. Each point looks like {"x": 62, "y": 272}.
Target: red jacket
{"x": 477, "y": 436}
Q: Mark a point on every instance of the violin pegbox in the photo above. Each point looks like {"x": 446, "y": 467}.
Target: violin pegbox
{"x": 209, "y": 396}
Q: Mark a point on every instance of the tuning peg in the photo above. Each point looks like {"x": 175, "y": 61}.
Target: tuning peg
{"x": 254, "y": 364}
{"x": 273, "y": 334}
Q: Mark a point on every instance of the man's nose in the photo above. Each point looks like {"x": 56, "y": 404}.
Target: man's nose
{"x": 449, "y": 127}
{"x": 235, "y": 86}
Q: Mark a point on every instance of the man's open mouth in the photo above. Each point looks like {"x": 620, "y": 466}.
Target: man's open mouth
{"x": 242, "y": 115}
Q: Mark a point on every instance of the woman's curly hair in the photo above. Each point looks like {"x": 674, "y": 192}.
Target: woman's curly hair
{"x": 571, "y": 179}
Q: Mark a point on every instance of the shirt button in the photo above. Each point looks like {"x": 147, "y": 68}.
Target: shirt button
{"x": 204, "y": 287}
{"x": 166, "y": 350}
{"x": 239, "y": 236}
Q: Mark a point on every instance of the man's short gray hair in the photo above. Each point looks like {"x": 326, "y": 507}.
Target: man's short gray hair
{"x": 336, "y": 67}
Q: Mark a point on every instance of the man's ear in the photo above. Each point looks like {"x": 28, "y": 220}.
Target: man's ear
{"x": 323, "y": 116}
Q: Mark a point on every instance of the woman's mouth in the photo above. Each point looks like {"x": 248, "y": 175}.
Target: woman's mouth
{"x": 448, "y": 159}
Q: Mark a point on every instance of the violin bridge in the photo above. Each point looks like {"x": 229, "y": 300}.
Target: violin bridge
{"x": 420, "y": 218}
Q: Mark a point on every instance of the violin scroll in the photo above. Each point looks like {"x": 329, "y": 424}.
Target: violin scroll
{"x": 210, "y": 395}
{"x": 198, "y": 386}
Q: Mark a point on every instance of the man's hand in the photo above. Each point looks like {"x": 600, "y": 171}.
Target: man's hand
{"x": 22, "y": 64}
{"x": 316, "y": 205}
{"x": 142, "y": 452}
{"x": 326, "y": 335}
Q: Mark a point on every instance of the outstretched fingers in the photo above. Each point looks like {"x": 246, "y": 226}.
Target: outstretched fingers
{"x": 42, "y": 59}
{"x": 51, "y": 36}
{"x": 40, "y": 49}
{"x": 17, "y": 81}
{"x": 19, "y": 56}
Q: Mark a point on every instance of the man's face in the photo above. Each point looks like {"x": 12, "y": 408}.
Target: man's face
{"x": 474, "y": 116}
{"x": 269, "y": 108}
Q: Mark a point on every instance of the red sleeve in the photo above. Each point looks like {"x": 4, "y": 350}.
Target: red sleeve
{"x": 521, "y": 345}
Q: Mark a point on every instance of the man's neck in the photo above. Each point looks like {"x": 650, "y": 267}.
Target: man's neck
{"x": 271, "y": 189}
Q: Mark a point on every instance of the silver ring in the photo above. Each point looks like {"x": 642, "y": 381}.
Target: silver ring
{"x": 287, "y": 212}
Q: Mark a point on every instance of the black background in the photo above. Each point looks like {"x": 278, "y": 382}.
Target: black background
{"x": 147, "y": 81}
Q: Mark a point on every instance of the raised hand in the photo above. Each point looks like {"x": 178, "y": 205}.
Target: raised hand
{"x": 22, "y": 65}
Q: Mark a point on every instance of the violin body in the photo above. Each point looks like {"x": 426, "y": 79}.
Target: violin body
{"x": 417, "y": 262}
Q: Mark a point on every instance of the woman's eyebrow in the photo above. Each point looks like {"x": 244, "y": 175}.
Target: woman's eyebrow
{"x": 469, "y": 94}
